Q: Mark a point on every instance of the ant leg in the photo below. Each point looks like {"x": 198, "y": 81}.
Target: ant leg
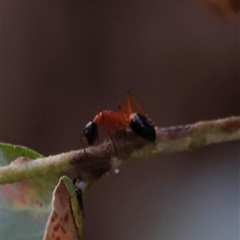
{"x": 107, "y": 128}
{"x": 129, "y": 105}
{"x": 115, "y": 148}
{"x": 123, "y": 113}
{"x": 124, "y": 122}
{"x": 125, "y": 139}
{"x": 84, "y": 149}
{"x": 130, "y": 98}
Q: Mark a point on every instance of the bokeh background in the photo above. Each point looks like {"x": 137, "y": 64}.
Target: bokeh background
{"x": 62, "y": 61}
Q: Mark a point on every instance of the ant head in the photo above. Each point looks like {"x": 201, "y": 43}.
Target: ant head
{"x": 143, "y": 127}
{"x": 91, "y": 133}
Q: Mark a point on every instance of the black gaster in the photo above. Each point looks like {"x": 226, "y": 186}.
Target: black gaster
{"x": 91, "y": 133}
{"x": 143, "y": 127}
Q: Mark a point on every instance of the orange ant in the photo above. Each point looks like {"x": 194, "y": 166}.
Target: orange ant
{"x": 125, "y": 117}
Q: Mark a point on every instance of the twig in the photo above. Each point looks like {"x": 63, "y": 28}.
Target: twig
{"x": 101, "y": 159}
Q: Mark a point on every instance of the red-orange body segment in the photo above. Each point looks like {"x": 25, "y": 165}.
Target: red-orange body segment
{"x": 112, "y": 120}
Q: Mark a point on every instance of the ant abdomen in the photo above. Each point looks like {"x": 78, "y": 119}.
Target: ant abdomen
{"x": 143, "y": 127}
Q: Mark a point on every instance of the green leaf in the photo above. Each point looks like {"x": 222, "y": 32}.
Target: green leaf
{"x": 9, "y": 152}
{"x": 74, "y": 203}
{"x": 25, "y": 206}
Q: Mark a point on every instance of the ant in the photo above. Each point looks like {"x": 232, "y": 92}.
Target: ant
{"x": 123, "y": 118}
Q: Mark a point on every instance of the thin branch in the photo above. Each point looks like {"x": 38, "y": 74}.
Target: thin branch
{"x": 101, "y": 159}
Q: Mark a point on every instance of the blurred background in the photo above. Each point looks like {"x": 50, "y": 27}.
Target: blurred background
{"x": 62, "y": 61}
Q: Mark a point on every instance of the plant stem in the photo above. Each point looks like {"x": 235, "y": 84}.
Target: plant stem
{"x": 102, "y": 158}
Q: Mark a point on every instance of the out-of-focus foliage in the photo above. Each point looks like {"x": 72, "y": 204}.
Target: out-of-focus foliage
{"x": 24, "y": 205}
